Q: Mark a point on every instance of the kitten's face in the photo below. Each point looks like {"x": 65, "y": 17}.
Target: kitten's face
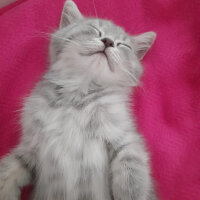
{"x": 97, "y": 50}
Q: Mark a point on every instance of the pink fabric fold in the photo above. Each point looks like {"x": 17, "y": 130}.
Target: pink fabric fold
{"x": 167, "y": 106}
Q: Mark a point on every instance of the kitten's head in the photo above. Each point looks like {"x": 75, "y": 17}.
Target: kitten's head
{"x": 97, "y": 50}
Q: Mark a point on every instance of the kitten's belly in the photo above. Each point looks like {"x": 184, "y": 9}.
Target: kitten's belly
{"x": 73, "y": 167}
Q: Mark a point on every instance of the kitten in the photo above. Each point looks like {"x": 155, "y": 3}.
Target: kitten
{"x": 79, "y": 142}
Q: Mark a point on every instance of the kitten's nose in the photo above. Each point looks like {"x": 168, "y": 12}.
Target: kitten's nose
{"x": 107, "y": 42}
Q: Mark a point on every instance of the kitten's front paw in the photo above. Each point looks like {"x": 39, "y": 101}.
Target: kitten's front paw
{"x": 7, "y": 194}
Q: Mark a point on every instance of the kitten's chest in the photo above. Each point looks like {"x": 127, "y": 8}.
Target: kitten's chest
{"x": 76, "y": 136}
{"x": 74, "y": 160}
{"x": 80, "y": 131}
{"x": 73, "y": 146}
{"x": 74, "y": 164}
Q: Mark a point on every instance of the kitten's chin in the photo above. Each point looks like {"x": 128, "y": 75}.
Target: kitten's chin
{"x": 102, "y": 59}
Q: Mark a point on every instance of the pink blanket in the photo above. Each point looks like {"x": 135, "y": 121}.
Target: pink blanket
{"x": 167, "y": 106}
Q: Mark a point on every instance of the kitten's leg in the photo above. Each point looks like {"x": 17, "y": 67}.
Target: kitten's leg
{"x": 130, "y": 173}
{"x": 14, "y": 174}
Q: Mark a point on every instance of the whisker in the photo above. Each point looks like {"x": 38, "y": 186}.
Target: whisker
{"x": 46, "y": 34}
{"x": 40, "y": 34}
{"x": 49, "y": 35}
{"x": 116, "y": 58}
{"x": 95, "y": 10}
{"x": 129, "y": 73}
{"x": 65, "y": 39}
{"x": 141, "y": 86}
{"x": 123, "y": 69}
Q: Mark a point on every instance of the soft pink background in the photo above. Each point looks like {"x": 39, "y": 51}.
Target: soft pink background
{"x": 168, "y": 106}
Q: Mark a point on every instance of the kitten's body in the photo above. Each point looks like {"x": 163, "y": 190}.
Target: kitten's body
{"x": 77, "y": 157}
{"x": 79, "y": 142}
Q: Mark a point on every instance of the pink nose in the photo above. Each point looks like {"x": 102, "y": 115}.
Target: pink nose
{"x": 107, "y": 42}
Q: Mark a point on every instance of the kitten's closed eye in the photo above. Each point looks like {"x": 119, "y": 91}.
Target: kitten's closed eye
{"x": 99, "y": 32}
{"x": 123, "y": 44}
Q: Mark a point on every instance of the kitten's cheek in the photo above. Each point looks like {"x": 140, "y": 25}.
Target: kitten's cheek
{"x": 112, "y": 57}
{"x": 91, "y": 47}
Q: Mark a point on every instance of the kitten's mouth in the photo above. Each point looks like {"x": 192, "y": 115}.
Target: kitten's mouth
{"x": 107, "y": 58}
{"x": 103, "y": 53}
{"x": 93, "y": 53}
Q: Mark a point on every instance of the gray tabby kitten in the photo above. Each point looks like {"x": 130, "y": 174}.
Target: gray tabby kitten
{"x": 79, "y": 142}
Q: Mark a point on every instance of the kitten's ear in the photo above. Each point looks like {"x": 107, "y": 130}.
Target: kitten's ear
{"x": 70, "y": 14}
{"x": 143, "y": 43}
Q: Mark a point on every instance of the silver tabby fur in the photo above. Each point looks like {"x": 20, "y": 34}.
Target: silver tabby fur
{"x": 79, "y": 141}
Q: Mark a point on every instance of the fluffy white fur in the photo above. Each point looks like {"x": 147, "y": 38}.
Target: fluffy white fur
{"x": 79, "y": 142}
